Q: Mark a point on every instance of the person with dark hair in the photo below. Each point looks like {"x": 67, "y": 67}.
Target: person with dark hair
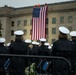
{"x": 3, "y": 50}
{"x": 73, "y": 59}
{"x": 62, "y": 48}
{"x": 19, "y": 47}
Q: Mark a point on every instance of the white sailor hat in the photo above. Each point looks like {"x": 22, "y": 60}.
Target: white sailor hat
{"x": 2, "y": 40}
{"x": 19, "y": 32}
{"x": 28, "y": 41}
{"x": 49, "y": 47}
{"x": 37, "y": 43}
{"x": 34, "y": 42}
{"x": 42, "y": 39}
{"x": 73, "y": 33}
{"x": 8, "y": 44}
{"x": 63, "y": 30}
{"x": 46, "y": 44}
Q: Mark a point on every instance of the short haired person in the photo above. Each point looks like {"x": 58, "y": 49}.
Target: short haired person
{"x": 62, "y": 48}
{"x": 3, "y": 50}
{"x": 73, "y": 59}
{"x": 18, "y": 47}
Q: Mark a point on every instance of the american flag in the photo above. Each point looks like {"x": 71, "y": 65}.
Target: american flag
{"x": 38, "y": 22}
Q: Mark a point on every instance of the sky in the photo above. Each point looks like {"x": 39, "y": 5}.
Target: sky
{"x": 25, "y": 3}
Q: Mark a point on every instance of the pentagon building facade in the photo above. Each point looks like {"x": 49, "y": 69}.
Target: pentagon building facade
{"x": 59, "y": 14}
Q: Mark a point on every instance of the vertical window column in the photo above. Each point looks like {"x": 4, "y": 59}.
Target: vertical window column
{"x": 70, "y": 19}
{"x": 53, "y": 30}
{"x": 61, "y": 19}
{"x": 54, "y": 20}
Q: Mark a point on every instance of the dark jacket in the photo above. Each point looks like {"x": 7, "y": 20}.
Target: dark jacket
{"x": 18, "y": 64}
{"x": 3, "y": 50}
{"x": 34, "y": 50}
{"x": 73, "y": 48}
{"x": 73, "y": 58}
{"x": 18, "y": 47}
{"x": 61, "y": 48}
{"x": 43, "y": 50}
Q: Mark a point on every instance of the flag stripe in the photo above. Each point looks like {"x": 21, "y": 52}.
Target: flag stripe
{"x": 38, "y": 25}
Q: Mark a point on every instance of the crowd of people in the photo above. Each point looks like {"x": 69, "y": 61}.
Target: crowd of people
{"x": 63, "y": 47}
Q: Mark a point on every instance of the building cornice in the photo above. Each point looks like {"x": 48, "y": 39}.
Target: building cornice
{"x": 23, "y": 11}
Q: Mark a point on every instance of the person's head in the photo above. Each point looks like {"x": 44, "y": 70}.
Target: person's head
{"x": 2, "y": 40}
{"x": 46, "y": 44}
{"x": 37, "y": 44}
{"x": 73, "y": 35}
{"x": 33, "y": 43}
{"x": 28, "y": 42}
{"x": 19, "y": 34}
{"x": 63, "y": 31}
{"x": 42, "y": 40}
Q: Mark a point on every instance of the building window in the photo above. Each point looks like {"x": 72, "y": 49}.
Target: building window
{"x": 53, "y": 30}
{"x": 61, "y": 19}
{"x": 30, "y": 22}
{"x": 1, "y": 28}
{"x": 70, "y": 28}
{"x": 46, "y": 31}
{"x": 70, "y": 19}
{"x": 12, "y": 32}
{"x": 25, "y": 22}
{"x": 53, "y": 40}
{"x": 46, "y": 20}
{"x": 25, "y": 32}
{"x": 18, "y": 22}
{"x": 12, "y": 41}
{"x": 12, "y": 23}
{"x": 54, "y": 20}
{"x": 30, "y": 31}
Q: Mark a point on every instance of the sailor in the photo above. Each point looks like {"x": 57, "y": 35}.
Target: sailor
{"x": 42, "y": 51}
{"x": 37, "y": 44}
{"x": 48, "y": 65}
{"x": 46, "y": 44}
{"x": 73, "y": 59}
{"x": 34, "y": 51}
{"x": 34, "y": 48}
{"x": 18, "y": 64}
{"x": 62, "y": 48}
{"x": 3, "y": 50}
{"x": 28, "y": 42}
